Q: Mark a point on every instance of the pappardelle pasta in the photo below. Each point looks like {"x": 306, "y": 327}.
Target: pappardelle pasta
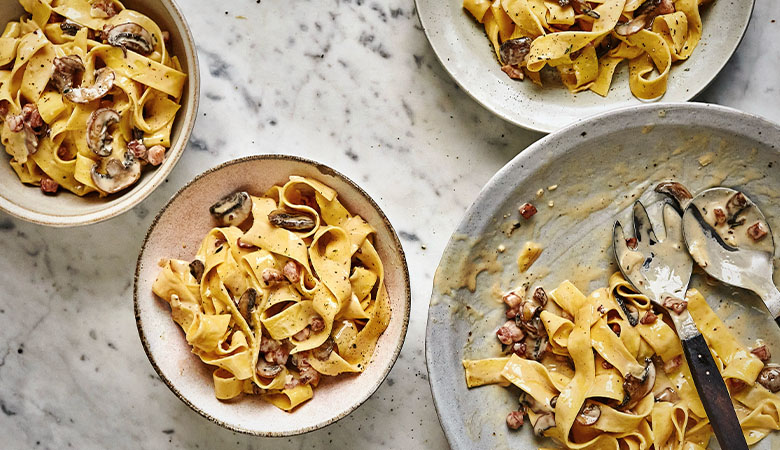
{"x": 585, "y": 41}
{"x": 571, "y": 354}
{"x": 290, "y": 287}
{"x": 88, "y": 95}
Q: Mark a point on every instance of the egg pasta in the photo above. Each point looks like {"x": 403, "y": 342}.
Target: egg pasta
{"x": 573, "y": 387}
{"x": 585, "y": 41}
{"x": 298, "y": 292}
{"x": 88, "y": 95}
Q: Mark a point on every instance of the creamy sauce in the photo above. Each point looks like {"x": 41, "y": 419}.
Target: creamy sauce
{"x": 577, "y": 236}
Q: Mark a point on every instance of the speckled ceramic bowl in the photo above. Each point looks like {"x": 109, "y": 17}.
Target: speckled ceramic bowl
{"x": 177, "y": 232}
{"x": 599, "y": 168}
{"x": 66, "y": 209}
{"x": 462, "y": 47}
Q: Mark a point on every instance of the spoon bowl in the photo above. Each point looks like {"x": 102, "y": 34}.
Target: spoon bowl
{"x": 730, "y": 239}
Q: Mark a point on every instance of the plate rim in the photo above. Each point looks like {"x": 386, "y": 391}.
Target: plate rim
{"x": 533, "y": 125}
{"x": 527, "y": 160}
{"x": 325, "y": 169}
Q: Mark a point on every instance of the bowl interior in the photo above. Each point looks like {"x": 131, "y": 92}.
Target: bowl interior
{"x": 600, "y": 168}
{"x": 66, "y": 209}
{"x": 463, "y": 48}
{"x": 177, "y": 232}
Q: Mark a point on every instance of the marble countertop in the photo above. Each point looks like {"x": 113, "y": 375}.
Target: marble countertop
{"x": 351, "y": 83}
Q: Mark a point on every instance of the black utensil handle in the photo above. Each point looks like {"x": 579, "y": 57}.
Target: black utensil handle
{"x": 713, "y": 393}
{"x": 777, "y": 321}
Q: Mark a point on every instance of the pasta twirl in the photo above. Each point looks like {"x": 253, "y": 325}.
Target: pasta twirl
{"x": 571, "y": 354}
{"x": 289, "y": 289}
{"x": 585, "y": 41}
{"x": 88, "y": 95}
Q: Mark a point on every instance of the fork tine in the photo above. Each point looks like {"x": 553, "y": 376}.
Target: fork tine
{"x": 672, "y": 223}
{"x": 619, "y": 245}
{"x": 643, "y": 228}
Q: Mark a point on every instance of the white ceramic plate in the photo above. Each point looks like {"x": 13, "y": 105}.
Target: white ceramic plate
{"x": 177, "y": 232}
{"x": 66, "y": 209}
{"x": 462, "y": 47}
{"x": 601, "y": 166}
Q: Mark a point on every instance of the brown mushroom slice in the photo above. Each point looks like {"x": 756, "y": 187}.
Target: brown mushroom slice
{"x": 589, "y": 414}
{"x": 65, "y": 69}
{"x": 544, "y": 423}
{"x": 104, "y": 81}
{"x": 69, "y": 27}
{"x": 30, "y": 140}
{"x": 232, "y": 209}
{"x": 295, "y": 221}
{"x": 131, "y": 36}
{"x": 675, "y": 190}
{"x": 246, "y": 304}
{"x": 323, "y": 351}
{"x": 119, "y": 174}
{"x": 769, "y": 377}
{"x": 98, "y": 130}
{"x": 637, "y": 386}
{"x": 266, "y": 369}
{"x": 196, "y": 269}
{"x": 514, "y": 51}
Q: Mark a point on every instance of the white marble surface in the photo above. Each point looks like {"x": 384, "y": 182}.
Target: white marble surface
{"x": 353, "y": 84}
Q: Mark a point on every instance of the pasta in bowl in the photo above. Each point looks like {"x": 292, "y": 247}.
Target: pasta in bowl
{"x": 277, "y": 308}
{"x": 97, "y": 99}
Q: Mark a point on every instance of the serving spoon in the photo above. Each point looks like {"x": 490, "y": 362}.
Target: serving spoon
{"x": 730, "y": 239}
{"x": 661, "y": 270}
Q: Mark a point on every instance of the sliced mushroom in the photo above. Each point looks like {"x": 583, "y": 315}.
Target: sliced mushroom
{"x": 514, "y": 51}
{"x": 30, "y": 140}
{"x": 667, "y": 395}
{"x": 770, "y": 377}
{"x": 589, "y": 414}
{"x": 295, "y": 221}
{"x": 644, "y": 16}
{"x": 544, "y": 423}
{"x": 246, "y": 303}
{"x": 104, "y": 81}
{"x": 534, "y": 405}
{"x": 232, "y": 209}
{"x": 69, "y": 27}
{"x": 119, "y": 174}
{"x": 583, "y": 7}
{"x": 677, "y": 191}
{"x": 196, "y": 269}
{"x": 323, "y": 351}
{"x": 65, "y": 70}
{"x": 639, "y": 385}
{"x": 266, "y": 369}
{"x": 99, "y": 130}
{"x": 533, "y": 306}
{"x": 131, "y": 36}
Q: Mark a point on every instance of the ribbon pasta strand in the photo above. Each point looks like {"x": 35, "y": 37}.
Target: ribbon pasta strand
{"x": 593, "y": 336}
{"x": 319, "y": 299}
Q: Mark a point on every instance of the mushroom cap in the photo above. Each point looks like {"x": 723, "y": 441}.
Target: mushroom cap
{"x": 119, "y": 174}
{"x": 589, "y": 414}
{"x": 638, "y": 386}
{"x": 769, "y": 377}
{"x": 131, "y": 36}
{"x": 104, "y": 81}
{"x": 98, "y": 136}
{"x": 266, "y": 369}
{"x": 65, "y": 68}
{"x": 544, "y": 423}
{"x": 232, "y": 209}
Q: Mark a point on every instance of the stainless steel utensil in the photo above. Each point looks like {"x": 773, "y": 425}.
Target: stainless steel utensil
{"x": 661, "y": 270}
{"x": 717, "y": 227}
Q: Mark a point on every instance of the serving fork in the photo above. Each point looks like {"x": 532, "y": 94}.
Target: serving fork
{"x": 661, "y": 270}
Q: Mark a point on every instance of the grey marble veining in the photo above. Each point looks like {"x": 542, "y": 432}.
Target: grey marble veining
{"x": 352, "y": 84}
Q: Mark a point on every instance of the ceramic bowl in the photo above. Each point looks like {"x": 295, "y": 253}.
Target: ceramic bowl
{"x": 66, "y": 209}
{"x": 462, "y": 47}
{"x": 598, "y": 168}
{"x": 177, "y": 232}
